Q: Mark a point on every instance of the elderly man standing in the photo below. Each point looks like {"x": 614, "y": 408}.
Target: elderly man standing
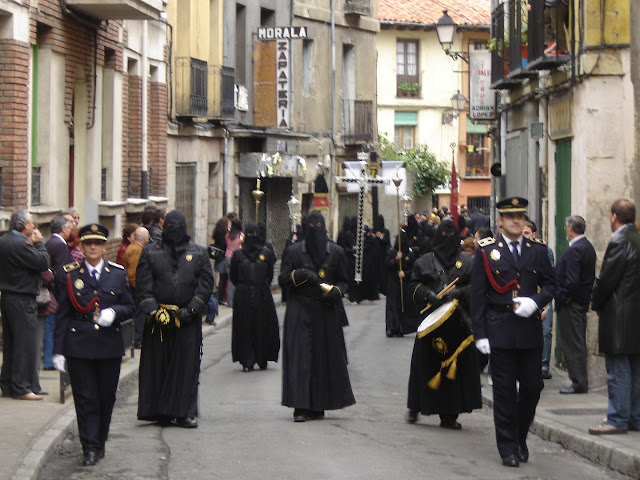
{"x": 617, "y": 303}
{"x": 575, "y": 274}
{"x": 23, "y": 257}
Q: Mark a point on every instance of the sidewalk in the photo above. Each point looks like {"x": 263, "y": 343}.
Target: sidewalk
{"x": 565, "y": 419}
{"x": 31, "y": 431}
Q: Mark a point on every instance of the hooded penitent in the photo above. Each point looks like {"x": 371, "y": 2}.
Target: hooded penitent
{"x": 316, "y": 237}
{"x": 446, "y": 243}
{"x": 174, "y": 231}
{"x": 253, "y": 241}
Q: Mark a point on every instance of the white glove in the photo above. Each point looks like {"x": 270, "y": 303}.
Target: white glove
{"x": 58, "y": 362}
{"x": 482, "y": 344}
{"x": 107, "y": 316}
{"x": 527, "y": 307}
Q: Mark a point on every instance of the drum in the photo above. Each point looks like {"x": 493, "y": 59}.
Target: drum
{"x": 436, "y": 318}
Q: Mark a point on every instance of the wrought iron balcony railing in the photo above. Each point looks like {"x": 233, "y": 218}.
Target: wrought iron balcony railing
{"x": 357, "y": 121}
{"x": 202, "y": 90}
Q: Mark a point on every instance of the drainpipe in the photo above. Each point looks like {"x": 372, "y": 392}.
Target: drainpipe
{"x": 334, "y": 167}
{"x": 144, "y": 61}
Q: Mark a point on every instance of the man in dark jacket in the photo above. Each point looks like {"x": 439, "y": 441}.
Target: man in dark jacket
{"x": 575, "y": 273}
{"x": 617, "y": 303}
{"x": 174, "y": 281}
{"x": 23, "y": 257}
{"x": 314, "y": 357}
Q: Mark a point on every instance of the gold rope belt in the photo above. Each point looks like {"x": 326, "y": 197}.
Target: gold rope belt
{"x": 452, "y": 363}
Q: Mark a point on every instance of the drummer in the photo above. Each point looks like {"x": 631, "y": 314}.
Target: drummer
{"x": 444, "y": 377}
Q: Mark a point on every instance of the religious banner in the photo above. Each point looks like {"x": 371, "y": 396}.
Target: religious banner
{"x": 388, "y": 172}
{"x": 321, "y": 201}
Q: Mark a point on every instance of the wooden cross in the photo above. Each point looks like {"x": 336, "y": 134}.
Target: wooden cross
{"x": 363, "y": 181}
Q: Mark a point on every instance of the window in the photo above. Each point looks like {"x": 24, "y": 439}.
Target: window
{"x": 407, "y": 66}
{"x": 198, "y": 88}
{"x": 477, "y": 155}
{"x": 404, "y": 137}
{"x": 307, "y": 64}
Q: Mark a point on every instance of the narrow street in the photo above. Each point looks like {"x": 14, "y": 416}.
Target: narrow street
{"x": 244, "y": 432}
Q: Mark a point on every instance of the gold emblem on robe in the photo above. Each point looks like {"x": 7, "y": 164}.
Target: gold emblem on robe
{"x": 189, "y": 257}
{"x": 439, "y": 345}
{"x": 321, "y": 273}
{"x": 79, "y": 284}
{"x": 458, "y": 264}
{"x": 261, "y": 257}
{"x": 495, "y": 254}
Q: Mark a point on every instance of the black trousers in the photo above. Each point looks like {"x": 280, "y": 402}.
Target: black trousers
{"x": 513, "y": 409}
{"x": 94, "y": 384}
{"x": 19, "y": 336}
{"x": 572, "y": 325}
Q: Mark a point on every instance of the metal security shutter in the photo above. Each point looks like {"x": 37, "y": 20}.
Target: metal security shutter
{"x": 185, "y": 193}
{"x": 348, "y": 206}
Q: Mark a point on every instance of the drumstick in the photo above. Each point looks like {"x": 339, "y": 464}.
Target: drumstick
{"x": 447, "y": 288}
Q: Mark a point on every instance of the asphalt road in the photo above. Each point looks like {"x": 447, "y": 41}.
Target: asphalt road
{"x": 246, "y": 434}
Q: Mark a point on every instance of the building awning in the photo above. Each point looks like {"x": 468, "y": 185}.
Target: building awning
{"x": 406, "y": 118}
{"x": 479, "y": 128}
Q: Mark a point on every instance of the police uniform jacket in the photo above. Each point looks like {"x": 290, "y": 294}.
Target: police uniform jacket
{"x": 615, "y": 294}
{"x": 76, "y": 335}
{"x": 492, "y": 310}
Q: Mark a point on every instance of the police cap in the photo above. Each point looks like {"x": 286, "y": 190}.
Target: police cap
{"x": 94, "y": 231}
{"x": 512, "y": 205}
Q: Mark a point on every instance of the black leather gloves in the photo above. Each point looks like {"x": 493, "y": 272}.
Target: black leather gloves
{"x": 333, "y": 295}
{"x": 185, "y": 315}
{"x": 301, "y": 275}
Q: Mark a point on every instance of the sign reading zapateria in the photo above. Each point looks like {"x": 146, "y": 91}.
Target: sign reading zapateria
{"x": 275, "y": 33}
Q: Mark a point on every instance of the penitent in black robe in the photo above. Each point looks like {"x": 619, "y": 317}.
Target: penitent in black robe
{"x": 462, "y": 393}
{"x": 398, "y": 320}
{"x": 314, "y": 355}
{"x": 255, "y": 336}
{"x": 170, "y": 357}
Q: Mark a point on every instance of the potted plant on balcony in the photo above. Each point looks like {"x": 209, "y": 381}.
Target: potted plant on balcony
{"x": 524, "y": 46}
{"x": 410, "y": 89}
{"x": 501, "y": 47}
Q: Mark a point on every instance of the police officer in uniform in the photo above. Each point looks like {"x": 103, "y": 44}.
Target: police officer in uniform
{"x": 512, "y": 282}
{"x": 88, "y": 336}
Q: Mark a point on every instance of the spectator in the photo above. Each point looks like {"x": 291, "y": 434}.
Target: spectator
{"x": 23, "y": 257}
{"x": 616, "y": 301}
{"x": 127, "y": 238}
{"x": 130, "y": 263}
{"x": 75, "y": 216}
{"x": 48, "y": 281}
{"x": 174, "y": 281}
{"x": 155, "y": 229}
{"x": 74, "y": 245}
{"x": 575, "y": 274}
{"x": 218, "y": 254}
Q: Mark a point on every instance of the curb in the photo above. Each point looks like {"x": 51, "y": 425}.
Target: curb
{"x": 50, "y": 437}
{"x": 595, "y": 449}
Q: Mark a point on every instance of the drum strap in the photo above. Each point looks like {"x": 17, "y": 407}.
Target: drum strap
{"x": 452, "y": 363}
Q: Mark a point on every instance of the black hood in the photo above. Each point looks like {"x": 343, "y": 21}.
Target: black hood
{"x": 316, "y": 237}
{"x": 174, "y": 231}
{"x": 446, "y": 243}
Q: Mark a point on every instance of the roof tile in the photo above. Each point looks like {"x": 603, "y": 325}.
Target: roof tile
{"x": 428, "y": 12}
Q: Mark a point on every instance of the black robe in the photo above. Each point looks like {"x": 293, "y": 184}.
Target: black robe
{"x": 452, "y": 396}
{"x": 255, "y": 336}
{"x": 314, "y": 355}
{"x": 170, "y": 356}
{"x": 397, "y": 321}
{"x": 369, "y": 287}
{"x": 347, "y": 240}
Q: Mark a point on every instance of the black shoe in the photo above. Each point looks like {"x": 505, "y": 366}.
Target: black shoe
{"x": 390, "y": 334}
{"x": 450, "y": 424}
{"x": 262, "y": 365}
{"x": 247, "y": 368}
{"x": 510, "y": 461}
{"x": 101, "y": 453}
{"x": 412, "y": 416}
{"x": 300, "y": 415}
{"x": 187, "y": 422}
{"x": 546, "y": 374}
{"x": 523, "y": 453}
{"x": 90, "y": 458}
{"x": 164, "y": 421}
{"x": 315, "y": 415}
{"x": 572, "y": 389}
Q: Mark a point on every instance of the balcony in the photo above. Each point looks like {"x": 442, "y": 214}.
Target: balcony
{"x": 518, "y": 45}
{"x": 204, "y": 91}
{"x": 118, "y": 9}
{"x": 357, "y": 121}
{"x": 357, "y": 7}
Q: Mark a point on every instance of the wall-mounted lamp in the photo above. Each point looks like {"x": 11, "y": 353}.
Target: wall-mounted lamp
{"x": 459, "y": 103}
{"x": 446, "y": 30}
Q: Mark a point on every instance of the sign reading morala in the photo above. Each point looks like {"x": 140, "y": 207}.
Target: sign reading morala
{"x": 275, "y": 33}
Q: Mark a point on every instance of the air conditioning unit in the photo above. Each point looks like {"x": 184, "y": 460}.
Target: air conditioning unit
{"x": 242, "y": 98}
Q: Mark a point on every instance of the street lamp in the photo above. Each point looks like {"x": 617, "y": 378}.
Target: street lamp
{"x": 446, "y": 30}
{"x": 293, "y": 205}
{"x": 458, "y": 102}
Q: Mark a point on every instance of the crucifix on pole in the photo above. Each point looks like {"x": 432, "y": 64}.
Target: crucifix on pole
{"x": 363, "y": 181}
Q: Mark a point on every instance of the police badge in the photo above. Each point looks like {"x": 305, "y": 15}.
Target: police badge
{"x": 495, "y": 255}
